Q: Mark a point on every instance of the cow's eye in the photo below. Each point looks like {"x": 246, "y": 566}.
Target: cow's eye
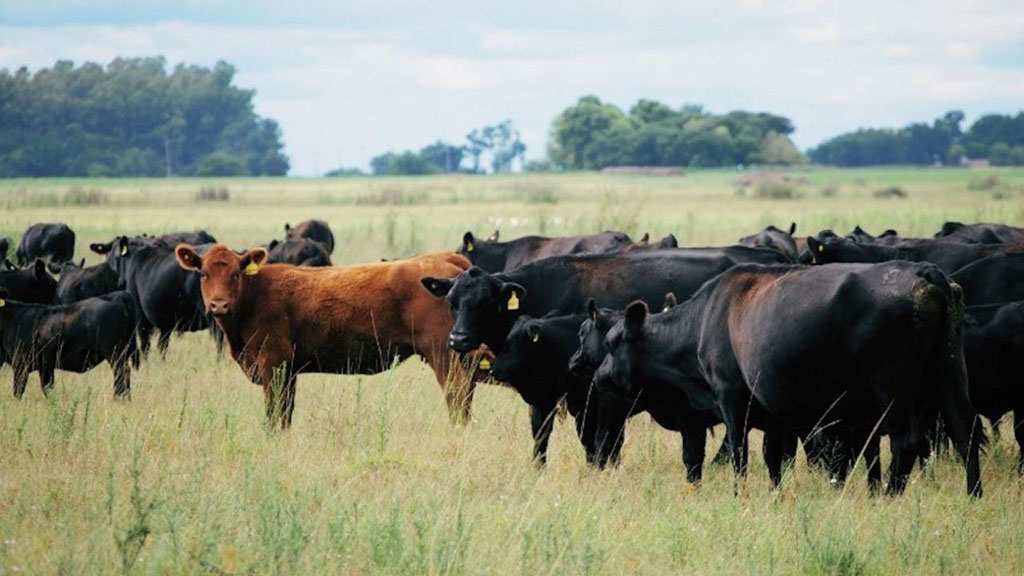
{"x": 235, "y": 276}
{"x": 204, "y": 275}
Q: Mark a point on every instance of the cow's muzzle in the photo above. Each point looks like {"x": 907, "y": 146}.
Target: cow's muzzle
{"x": 219, "y": 307}
{"x": 461, "y": 342}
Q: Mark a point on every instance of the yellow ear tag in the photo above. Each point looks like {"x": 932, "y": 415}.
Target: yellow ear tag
{"x": 252, "y": 269}
{"x": 485, "y": 364}
{"x": 469, "y": 246}
{"x": 821, "y": 247}
{"x": 536, "y": 337}
{"x": 2, "y": 303}
{"x": 124, "y": 250}
{"x": 513, "y": 302}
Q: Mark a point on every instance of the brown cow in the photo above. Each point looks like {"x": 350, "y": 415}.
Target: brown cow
{"x": 281, "y": 320}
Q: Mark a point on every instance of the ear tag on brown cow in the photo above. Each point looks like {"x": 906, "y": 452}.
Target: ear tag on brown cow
{"x": 252, "y": 269}
{"x": 124, "y": 250}
{"x": 536, "y": 337}
{"x": 469, "y": 246}
{"x": 513, "y": 302}
{"x": 485, "y": 364}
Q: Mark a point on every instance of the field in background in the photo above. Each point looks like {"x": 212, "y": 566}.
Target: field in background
{"x": 372, "y": 478}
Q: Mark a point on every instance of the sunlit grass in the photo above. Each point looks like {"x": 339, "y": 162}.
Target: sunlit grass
{"x": 185, "y": 478}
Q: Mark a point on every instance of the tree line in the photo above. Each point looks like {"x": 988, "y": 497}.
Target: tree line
{"x": 997, "y": 138}
{"x": 133, "y": 118}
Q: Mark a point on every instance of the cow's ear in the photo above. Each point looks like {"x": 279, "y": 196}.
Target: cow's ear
{"x": 592, "y": 311}
{"x": 815, "y": 247}
{"x": 494, "y": 237}
{"x": 252, "y": 260}
{"x": 39, "y": 269}
{"x": 670, "y": 302}
{"x": 273, "y": 244}
{"x": 287, "y": 229}
{"x": 439, "y": 287}
{"x": 511, "y": 294}
{"x": 792, "y": 228}
{"x": 636, "y": 315}
{"x": 669, "y": 241}
{"x": 122, "y": 246}
{"x": 100, "y": 248}
{"x": 888, "y": 233}
{"x": 646, "y": 238}
{"x": 188, "y": 258}
{"x": 533, "y": 329}
{"x": 468, "y": 242}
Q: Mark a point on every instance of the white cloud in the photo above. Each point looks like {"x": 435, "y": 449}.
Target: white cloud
{"x": 344, "y": 93}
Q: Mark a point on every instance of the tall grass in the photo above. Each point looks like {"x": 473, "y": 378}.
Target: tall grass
{"x": 372, "y": 478}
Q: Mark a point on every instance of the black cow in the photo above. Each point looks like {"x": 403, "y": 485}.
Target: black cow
{"x": 947, "y": 255}
{"x": 298, "y": 251}
{"x": 484, "y": 306}
{"x": 167, "y": 297}
{"x": 772, "y": 237}
{"x": 888, "y": 238}
{"x": 41, "y": 240}
{"x": 32, "y": 285}
{"x": 316, "y": 230}
{"x": 981, "y": 233}
{"x": 78, "y": 282}
{"x": 171, "y": 239}
{"x": 494, "y": 256}
{"x": 71, "y": 337}
{"x": 994, "y": 348}
{"x": 840, "y": 351}
{"x": 993, "y": 279}
{"x": 5, "y": 245}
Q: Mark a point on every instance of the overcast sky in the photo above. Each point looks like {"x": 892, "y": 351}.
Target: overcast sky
{"x": 352, "y": 80}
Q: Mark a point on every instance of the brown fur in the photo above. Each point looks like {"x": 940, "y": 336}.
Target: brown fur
{"x": 348, "y": 320}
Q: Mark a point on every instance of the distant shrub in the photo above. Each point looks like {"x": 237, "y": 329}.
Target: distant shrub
{"x": 986, "y": 182}
{"x": 830, "y": 190}
{"x": 890, "y": 192}
{"x": 774, "y": 189}
{"x": 345, "y": 173}
{"x": 77, "y": 196}
{"x": 213, "y": 194}
{"x": 391, "y": 195}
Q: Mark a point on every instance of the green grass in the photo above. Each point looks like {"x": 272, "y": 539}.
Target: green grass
{"x": 186, "y": 478}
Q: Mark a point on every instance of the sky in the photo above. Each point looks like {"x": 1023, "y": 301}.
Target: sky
{"x": 350, "y": 80}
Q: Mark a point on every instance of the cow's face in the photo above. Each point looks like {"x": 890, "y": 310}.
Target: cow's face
{"x": 483, "y": 308}
{"x": 523, "y": 354}
{"x": 592, "y": 334}
{"x": 618, "y": 373}
{"x": 223, "y": 274}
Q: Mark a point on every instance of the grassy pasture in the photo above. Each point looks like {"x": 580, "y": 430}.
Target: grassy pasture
{"x": 372, "y": 479}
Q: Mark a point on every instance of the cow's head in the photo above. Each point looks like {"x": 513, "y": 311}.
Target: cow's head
{"x": 223, "y": 274}
{"x": 524, "y": 356}
{"x": 592, "y": 332}
{"x": 484, "y": 307}
{"x": 775, "y": 239}
{"x": 618, "y": 372}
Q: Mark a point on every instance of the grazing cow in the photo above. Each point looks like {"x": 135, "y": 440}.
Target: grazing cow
{"x": 41, "y": 240}
{"x": 32, "y": 285}
{"x": 843, "y": 351}
{"x": 168, "y": 298}
{"x": 298, "y": 251}
{"x": 948, "y": 256}
{"x": 5, "y": 245}
{"x": 316, "y": 230}
{"x": 772, "y": 237}
{"x": 484, "y": 305}
{"x": 494, "y": 256}
{"x": 71, "y": 337}
{"x": 994, "y": 348}
{"x": 281, "y": 321}
{"x": 981, "y": 233}
{"x": 992, "y": 280}
{"x": 78, "y": 282}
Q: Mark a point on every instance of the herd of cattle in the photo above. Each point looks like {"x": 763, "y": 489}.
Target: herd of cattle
{"x": 832, "y": 340}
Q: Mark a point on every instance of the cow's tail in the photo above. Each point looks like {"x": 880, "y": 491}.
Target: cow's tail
{"x": 949, "y": 369}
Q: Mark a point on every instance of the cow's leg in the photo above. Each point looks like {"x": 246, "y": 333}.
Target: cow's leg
{"x": 456, "y": 385}
{"x": 695, "y": 437}
{"x": 145, "y": 334}
{"x": 288, "y": 402}
{"x": 906, "y": 445}
{"x": 735, "y": 412}
{"x": 724, "y": 454}
{"x": 20, "y": 380}
{"x": 122, "y": 378}
{"x": 542, "y": 422}
{"x": 779, "y": 449}
{"x": 46, "y": 379}
{"x": 164, "y": 342}
{"x": 873, "y": 461}
{"x": 964, "y": 425}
